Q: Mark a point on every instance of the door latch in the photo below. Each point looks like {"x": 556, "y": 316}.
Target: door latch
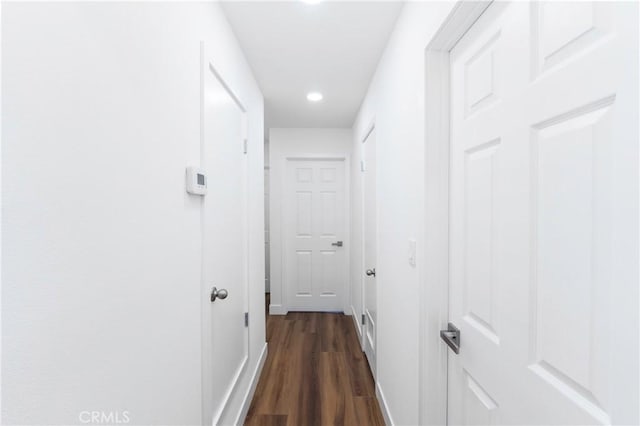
{"x": 337, "y": 244}
{"x": 451, "y": 337}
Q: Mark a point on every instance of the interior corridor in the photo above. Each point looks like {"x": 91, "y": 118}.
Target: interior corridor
{"x": 315, "y": 374}
{"x": 438, "y": 199}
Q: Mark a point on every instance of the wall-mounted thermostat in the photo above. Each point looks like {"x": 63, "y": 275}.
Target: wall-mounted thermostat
{"x": 196, "y": 181}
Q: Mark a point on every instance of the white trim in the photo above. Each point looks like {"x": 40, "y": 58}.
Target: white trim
{"x": 204, "y": 327}
{"x": 277, "y": 310}
{"x": 386, "y": 413}
{"x": 227, "y": 88}
{"x": 230, "y": 391}
{"x": 434, "y": 291}
{"x": 316, "y": 158}
{"x": 363, "y": 185}
{"x": 357, "y": 320}
{"x": 251, "y": 389}
{"x": 363, "y": 167}
{"x": 370, "y": 127}
{"x": 1, "y": 198}
{"x": 461, "y": 18}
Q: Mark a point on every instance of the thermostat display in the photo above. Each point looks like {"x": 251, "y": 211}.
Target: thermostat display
{"x": 196, "y": 181}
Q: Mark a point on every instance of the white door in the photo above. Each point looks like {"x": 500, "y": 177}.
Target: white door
{"x": 314, "y": 227}
{"x": 544, "y": 215}
{"x": 370, "y": 249}
{"x": 224, "y": 249}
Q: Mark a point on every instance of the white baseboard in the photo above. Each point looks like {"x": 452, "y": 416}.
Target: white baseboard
{"x": 358, "y": 323}
{"x": 383, "y": 406}
{"x": 248, "y": 397}
{"x": 277, "y": 310}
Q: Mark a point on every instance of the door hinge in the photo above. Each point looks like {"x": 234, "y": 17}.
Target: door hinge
{"x": 246, "y": 319}
{"x": 363, "y": 320}
{"x": 245, "y": 146}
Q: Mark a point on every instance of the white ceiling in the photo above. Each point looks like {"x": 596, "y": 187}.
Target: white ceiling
{"x": 330, "y": 47}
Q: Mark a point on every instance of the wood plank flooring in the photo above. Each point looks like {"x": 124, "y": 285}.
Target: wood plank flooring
{"x": 315, "y": 374}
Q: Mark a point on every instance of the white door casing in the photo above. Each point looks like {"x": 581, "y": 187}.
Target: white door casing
{"x": 314, "y": 216}
{"x": 543, "y": 242}
{"x": 370, "y": 214}
{"x": 224, "y": 242}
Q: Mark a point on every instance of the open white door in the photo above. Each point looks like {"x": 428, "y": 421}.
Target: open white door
{"x": 314, "y": 230}
{"x": 370, "y": 250}
{"x": 224, "y": 247}
{"x": 544, "y": 216}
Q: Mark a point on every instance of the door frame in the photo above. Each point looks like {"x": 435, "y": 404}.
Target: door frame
{"x": 357, "y": 316}
{"x": 283, "y": 234}
{"x": 207, "y": 66}
{"x": 434, "y": 291}
{"x": 370, "y": 129}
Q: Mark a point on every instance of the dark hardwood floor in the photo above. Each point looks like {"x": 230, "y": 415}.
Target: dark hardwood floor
{"x": 315, "y": 374}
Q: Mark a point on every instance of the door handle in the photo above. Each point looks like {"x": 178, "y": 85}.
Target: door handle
{"x": 337, "y": 244}
{"x": 218, "y": 294}
{"x": 371, "y": 272}
{"x": 451, "y": 337}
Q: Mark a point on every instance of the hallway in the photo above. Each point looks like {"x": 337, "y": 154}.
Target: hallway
{"x": 439, "y": 199}
{"x": 315, "y": 374}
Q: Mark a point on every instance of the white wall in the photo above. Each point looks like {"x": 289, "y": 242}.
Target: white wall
{"x": 285, "y": 143}
{"x": 101, "y": 268}
{"x": 267, "y": 241}
{"x": 1, "y": 221}
{"x": 396, "y": 100}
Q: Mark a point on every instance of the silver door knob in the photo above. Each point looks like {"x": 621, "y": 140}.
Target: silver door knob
{"x": 337, "y": 244}
{"x": 218, "y": 294}
{"x": 371, "y": 272}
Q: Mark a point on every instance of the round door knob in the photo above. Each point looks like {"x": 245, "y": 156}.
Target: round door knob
{"x": 218, "y": 294}
{"x": 371, "y": 272}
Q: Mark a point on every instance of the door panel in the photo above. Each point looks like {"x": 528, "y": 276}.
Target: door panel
{"x": 304, "y": 206}
{"x": 305, "y": 272}
{"x": 370, "y": 249}
{"x": 542, "y": 168}
{"x": 328, "y": 274}
{"x": 315, "y": 269}
{"x": 224, "y": 245}
{"x": 570, "y": 260}
{"x": 479, "y": 408}
{"x": 478, "y": 292}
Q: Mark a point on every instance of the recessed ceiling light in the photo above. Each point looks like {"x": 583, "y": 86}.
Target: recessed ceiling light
{"x": 314, "y": 96}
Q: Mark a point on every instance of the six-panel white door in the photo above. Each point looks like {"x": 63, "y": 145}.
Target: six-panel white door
{"x": 544, "y": 215}
{"x": 224, "y": 245}
{"x": 370, "y": 214}
{"x": 314, "y": 229}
